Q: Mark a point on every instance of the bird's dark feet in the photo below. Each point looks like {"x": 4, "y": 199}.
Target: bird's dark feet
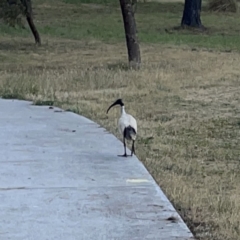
{"x": 124, "y": 155}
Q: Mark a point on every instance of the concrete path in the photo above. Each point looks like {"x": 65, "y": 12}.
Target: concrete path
{"x": 60, "y": 178}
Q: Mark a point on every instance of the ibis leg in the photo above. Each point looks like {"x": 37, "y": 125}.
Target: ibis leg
{"x": 125, "y": 151}
{"x": 133, "y": 148}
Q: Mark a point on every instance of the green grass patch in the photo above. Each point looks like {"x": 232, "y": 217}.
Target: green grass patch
{"x": 102, "y": 20}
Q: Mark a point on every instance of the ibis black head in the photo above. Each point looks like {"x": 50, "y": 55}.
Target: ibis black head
{"x": 117, "y": 102}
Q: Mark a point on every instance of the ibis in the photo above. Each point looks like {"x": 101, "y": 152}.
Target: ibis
{"x": 127, "y": 126}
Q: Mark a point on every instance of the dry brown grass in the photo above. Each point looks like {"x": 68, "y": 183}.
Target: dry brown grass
{"x": 186, "y": 103}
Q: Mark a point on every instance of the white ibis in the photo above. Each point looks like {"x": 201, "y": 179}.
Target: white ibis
{"x": 127, "y": 126}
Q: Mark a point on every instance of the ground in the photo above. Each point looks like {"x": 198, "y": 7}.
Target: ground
{"x": 185, "y": 98}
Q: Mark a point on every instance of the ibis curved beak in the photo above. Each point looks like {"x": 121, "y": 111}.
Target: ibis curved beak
{"x": 111, "y": 106}
{"x": 117, "y": 102}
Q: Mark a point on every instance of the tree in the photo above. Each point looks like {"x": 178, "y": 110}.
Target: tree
{"x": 133, "y": 48}
{"x": 29, "y": 16}
{"x": 12, "y": 11}
{"x": 191, "y": 14}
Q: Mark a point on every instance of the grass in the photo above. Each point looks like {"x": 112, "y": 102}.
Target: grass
{"x": 185, "y": 97}
{"x": 152, "y": 18}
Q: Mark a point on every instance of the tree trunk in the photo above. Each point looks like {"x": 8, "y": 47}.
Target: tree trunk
{"x": 29, "y": 16}
{"x": 191, "y": 14}
{"x": 133, "y": 48}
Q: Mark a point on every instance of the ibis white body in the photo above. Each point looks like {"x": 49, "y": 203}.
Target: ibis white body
{"x": 125, "y": 121}
{"x": 127, "y": 126}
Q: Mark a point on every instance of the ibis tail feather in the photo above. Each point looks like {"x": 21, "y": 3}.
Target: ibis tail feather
{"x": 130, "y": 133}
